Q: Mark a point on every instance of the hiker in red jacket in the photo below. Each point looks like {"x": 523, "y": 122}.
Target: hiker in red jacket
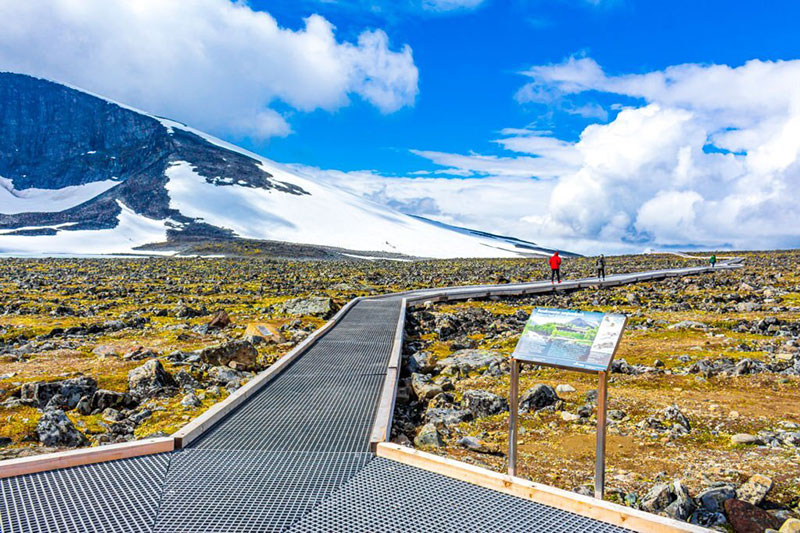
{"x": 555, "y": 268}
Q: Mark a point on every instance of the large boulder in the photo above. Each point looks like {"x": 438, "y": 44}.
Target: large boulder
{"x": 537, "y": 398}
{"x": 482, "y": 403}
{"x": 240, "y": 352}
{"x": 151, "y": 379}
{"x": 313, "y": 306}
{"x": 56, "y": 429}
{"x": 748, "y": 518}
{"x": 714, "y": 499}
{"x": 70, "y": 390}
{"x": 219, "y": 320}
{"x": 465, "y": 361}
{"x": 670, "y": 498}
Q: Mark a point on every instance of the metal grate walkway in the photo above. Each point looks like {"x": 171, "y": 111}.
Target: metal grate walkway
{"x": 293, "y": 457}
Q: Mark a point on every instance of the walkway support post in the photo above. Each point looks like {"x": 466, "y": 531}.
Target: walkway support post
{"x": 600, "y": 456}
{"x": 513, "y": 418}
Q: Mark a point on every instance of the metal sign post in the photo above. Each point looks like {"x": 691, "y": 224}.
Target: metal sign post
{"x": 600, "y": 459}
{"x": 512, "y": 418}
{"x": 571, "y": 340}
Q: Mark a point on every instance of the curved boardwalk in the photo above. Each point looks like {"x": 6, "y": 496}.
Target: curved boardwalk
{"x": 293, "y": 457}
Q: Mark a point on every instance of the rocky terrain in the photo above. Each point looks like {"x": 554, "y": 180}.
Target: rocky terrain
{"x": 704, "y": 422}
{"x": 703, "y": 398}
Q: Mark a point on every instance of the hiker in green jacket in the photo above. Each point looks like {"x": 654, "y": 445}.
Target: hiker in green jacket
{"x": 713, "y": 260}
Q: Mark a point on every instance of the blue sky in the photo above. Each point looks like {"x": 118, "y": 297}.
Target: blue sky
{"x": 470, "y": 62}
{"x": 589, "y": 125}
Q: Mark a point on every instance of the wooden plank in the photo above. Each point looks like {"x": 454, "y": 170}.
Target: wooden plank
{"x": 382, "y": 428}
{"x": 84, "y": 456}
{"x": 216, "y": 412}
{"x": 587, "y": 506}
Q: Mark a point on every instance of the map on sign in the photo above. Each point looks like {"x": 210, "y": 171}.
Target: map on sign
{"x": 570, "y": 339}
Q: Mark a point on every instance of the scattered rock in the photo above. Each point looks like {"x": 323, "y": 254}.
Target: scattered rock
{"x": 482, "y": 403}
{"x": 569, "y": 417}
{"x": 466, "y": 361}
{"x": 713, "y": 499}
{"x": 755, "y": 489}
{"x": 242, "y": 352}
{"x": 428, "y": 436}
{"x": 56, "y": 429}
{"x": 40, "y": 392}
{"x": 688, "y": 324}
{"x": 565, "y": 389}
{"x": 747, "y": 518}
{"x": 473, "y": 444}
{"x": 447, "y": 417}
{"x": 537, "y": 398}
{"x": 313, "y": 306}
{"x": 219, "y": 320}
{"x": 103, "y": 399}
{"x": 263, "y": 333}
{"x": 150, "y": 379}
{"x": 226, "y": 376}
{"x": 424, "y": 388}
{"x": 191, "y": 400}
{"x": 744, "y": 438}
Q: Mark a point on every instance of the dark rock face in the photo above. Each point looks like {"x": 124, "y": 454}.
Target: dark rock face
{"x": 537, "y": 398}
{"x": 103, "y": 399}
{"x": 69, "y": 390}
{"x": 55, "y": 429}
{"x": 52, "y": 136}
{"x": 483, "y": 403}
{"x": 747, "y": 518}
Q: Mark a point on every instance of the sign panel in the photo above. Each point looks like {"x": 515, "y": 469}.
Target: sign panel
{"x": 580, "y": 340}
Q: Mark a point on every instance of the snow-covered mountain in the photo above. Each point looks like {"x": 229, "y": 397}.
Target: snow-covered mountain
{"x": 80, "y": 174}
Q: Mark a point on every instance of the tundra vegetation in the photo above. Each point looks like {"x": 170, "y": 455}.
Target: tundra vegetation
{"x": 703, "y": 395}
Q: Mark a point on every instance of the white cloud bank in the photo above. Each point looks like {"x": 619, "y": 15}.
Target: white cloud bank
{"x": 216, "y": 64}
{"x": 708, "y": 156}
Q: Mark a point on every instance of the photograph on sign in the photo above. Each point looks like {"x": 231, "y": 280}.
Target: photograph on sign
{"x": 572, "y": 339}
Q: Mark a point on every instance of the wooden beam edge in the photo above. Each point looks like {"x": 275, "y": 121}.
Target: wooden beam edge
{"x": 587, "y": 506}
{"x": 84, "y": 456}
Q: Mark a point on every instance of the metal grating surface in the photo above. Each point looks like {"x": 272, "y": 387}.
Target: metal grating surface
{"x": 393, "y": 497}
{"x": 246, "y": 491}
{"x": 302, "y": 413}
{"x": 117, "y": 496}
{"x": 333, "y": 357}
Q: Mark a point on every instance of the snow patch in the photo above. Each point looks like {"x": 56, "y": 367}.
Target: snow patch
{"x": 326, "y": 217}
{"x": 132, "y": 230}
{"x": 13, "y": 202}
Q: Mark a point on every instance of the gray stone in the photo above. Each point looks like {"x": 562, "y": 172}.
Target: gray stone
{"x": 657, "y": 498}
{"x": 713, "y": 499}
{"x": 745, "y": 438}
{"x": 482, "y": 403}
{"x": 191, "y": 400}
{"x": 537, "y": 398}
{"x": 224, "y": 375}
{"x": 565, "y": 389}
{"x": 447, "y": 417}
{"x": 150, "y": 379}
{"x": 313, "y": 306}
{"x": 428, "y": 436}
{"x": 72, "y": 390}
{"x": 424, "y": 388}
{"x": 103, "y": 399}
{"x": 241, "y": 352}
{"x": 465, "y": 361}
{"x": 473, "y": 444}
{"x": 56, "y": 429}
{"x": 755, "y": 489}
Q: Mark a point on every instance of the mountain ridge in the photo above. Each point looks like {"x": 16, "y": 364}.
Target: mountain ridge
{"x": 83, "y": 174}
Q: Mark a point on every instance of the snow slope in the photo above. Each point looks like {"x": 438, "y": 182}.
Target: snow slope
{"x": 48, "y": 200}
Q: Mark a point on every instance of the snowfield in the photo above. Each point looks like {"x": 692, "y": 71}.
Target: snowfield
{"x": 13, "y": 201}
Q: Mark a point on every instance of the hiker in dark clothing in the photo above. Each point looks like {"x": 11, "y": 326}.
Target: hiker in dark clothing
{"x": 555, "y": 268}
{"x": 601, "y": 267}
{"x": 713, "y": 260}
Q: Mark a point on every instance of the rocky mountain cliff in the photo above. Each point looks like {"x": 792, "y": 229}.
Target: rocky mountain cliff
{"x": 82, "y": 174}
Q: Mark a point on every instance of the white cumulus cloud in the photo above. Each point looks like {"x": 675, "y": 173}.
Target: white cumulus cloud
{"x": 706, "y": 155}
{"x": 216, "y": 64}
